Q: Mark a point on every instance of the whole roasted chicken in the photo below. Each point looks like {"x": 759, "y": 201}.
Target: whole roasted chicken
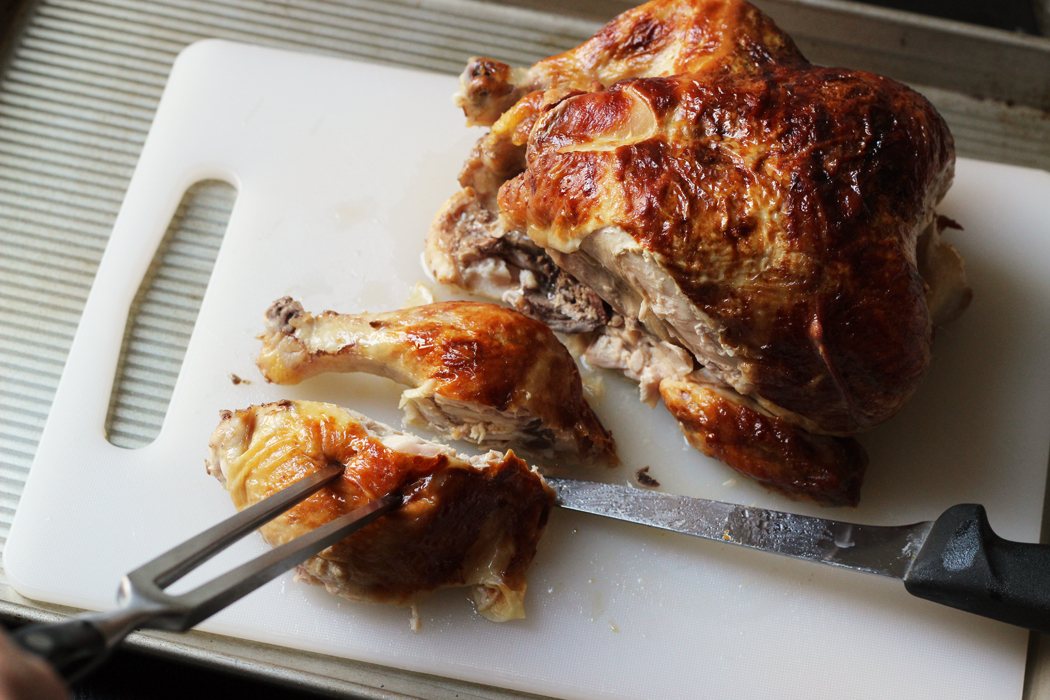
{"x": 750, "y": 236}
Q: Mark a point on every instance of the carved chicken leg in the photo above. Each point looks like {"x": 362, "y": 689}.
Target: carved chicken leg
{"x": 467, "y": 521}
{"x": 478, "y": 372}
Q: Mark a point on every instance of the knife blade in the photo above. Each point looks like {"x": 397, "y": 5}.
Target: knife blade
{"x": 955, "y": 560}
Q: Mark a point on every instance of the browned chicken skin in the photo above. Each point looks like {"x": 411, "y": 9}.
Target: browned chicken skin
{"x": 764, "y": 447}
{"x": 467, "y": 521}
{"x": 694, "y": 170}
{"x": 479, "y": 372}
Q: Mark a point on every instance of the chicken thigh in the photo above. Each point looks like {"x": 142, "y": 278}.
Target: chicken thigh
{"x": 478, "y": 372}
{"x": 764, "y": 215}
{"x": 467, "y": 521}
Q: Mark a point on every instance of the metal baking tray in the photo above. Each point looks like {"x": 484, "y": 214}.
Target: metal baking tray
{"x": 80, "y": 81}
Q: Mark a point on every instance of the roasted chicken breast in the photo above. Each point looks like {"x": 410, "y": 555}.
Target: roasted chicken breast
{"x": 691, "y": 168}
{"x": 478, "y": 372}
{"x": 467, "y": 521}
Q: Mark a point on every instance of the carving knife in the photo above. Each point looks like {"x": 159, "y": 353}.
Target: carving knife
{"x": 956, "y": 560}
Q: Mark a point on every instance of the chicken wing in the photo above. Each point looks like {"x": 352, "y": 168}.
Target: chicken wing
{"x": 467, "y": 521}
{"x": 478, "y": 372}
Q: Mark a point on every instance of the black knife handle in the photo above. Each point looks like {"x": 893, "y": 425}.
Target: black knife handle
{"x": 74, "y": 647}
{"x": 963, "y": 564}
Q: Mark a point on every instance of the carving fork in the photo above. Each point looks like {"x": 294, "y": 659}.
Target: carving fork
{"x": 78, "y": 645}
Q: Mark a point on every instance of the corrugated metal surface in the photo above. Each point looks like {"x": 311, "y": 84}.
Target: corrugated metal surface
{"x": 80, "y": 85}
{"x": 77, "y": 97}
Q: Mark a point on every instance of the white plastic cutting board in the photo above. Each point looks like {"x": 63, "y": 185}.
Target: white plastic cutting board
{"x": 339, "y": 167}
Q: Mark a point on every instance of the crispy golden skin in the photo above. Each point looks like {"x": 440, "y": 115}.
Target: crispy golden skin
{"x": 466, "y": 522}
{"x": 784, "y": 203}
{"x": 479, "y": 372}
{"x": 662, "y": 38}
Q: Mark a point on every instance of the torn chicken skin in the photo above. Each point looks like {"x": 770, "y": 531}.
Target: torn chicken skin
{"x": 466, "y": 521}
{"x": 725, "y": 198}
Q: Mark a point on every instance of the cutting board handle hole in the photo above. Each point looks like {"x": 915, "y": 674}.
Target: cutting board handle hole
{"x": 164, "y": 312}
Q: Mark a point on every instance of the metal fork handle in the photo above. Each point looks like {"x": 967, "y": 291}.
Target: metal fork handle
{"x": 78, "y": 645}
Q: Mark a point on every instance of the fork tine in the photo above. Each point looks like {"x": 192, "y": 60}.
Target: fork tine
{"x": 209, "y": 598}
{"x": 180, "y": 560}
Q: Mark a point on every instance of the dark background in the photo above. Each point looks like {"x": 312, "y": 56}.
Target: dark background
{"x": 133, "y": 676}
{"x": 1011, "y": 15}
